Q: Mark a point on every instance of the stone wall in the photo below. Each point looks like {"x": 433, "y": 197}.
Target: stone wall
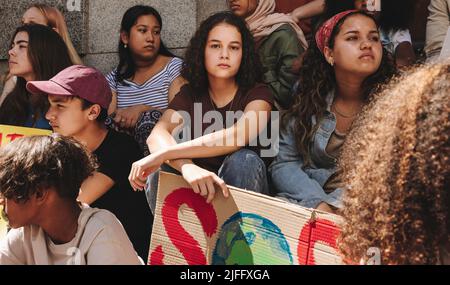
{"x": 94, "y": 24}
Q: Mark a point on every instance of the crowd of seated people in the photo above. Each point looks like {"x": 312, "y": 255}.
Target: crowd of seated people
{"x": 363, "y": 128}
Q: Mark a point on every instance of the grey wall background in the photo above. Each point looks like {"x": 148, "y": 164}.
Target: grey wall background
{"x": 94, "y": 24}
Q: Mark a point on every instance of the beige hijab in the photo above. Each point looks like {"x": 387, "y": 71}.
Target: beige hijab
{"x": 264, "y": 21}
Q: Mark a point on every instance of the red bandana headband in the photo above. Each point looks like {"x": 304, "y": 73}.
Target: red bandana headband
{"x": 324, "y": 33}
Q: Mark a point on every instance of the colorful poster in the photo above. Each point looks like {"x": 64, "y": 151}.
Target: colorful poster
{"x": 244, "y": 229}
{"x": 7, "y": 135}
{"x": 10, "y": 133}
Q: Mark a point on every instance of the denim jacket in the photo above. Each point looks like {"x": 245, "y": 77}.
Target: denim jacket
{"x": 304, "y": 186}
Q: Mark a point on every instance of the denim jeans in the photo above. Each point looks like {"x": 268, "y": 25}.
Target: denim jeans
{"x": 243, "y": 169}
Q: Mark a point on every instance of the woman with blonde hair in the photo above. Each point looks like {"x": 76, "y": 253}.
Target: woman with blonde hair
{"x": 396, "y": 165}
{"x": 43, "y": 14}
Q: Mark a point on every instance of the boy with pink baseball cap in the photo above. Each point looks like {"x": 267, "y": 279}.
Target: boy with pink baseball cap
{"x": 79, "y": 98}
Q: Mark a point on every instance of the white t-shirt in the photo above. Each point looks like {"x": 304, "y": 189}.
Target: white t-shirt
{"x": 100, "y": 240}
{"x": 392, "y": 39}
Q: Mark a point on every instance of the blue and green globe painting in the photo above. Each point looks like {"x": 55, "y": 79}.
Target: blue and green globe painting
{"x": 249, "y": 239}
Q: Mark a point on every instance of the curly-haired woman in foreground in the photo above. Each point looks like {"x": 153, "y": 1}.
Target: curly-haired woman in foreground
{"x": 396, "y": 164}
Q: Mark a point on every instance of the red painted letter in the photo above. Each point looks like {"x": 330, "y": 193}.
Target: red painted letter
{"x": 318, "y": 230}
{"x": 183, "y": 241}
{"x": 13, "y": 137}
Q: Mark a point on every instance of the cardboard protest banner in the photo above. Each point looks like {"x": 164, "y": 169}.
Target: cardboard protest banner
{"x": 245, "y": 229}
{"x": 7, "y": 135}
{"x": 10, "y": 133}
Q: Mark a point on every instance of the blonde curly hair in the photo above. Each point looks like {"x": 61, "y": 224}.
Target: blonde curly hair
{"x": 396, "y": 165}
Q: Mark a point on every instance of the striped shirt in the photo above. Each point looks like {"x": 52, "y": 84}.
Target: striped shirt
{"x": 154, "y": 92}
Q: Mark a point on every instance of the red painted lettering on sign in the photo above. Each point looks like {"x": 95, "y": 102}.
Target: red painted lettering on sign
{"x": 319, "y": 230}
{"x": 13, "y": 137}
{"x": 181, "y": 239}
{"x": 157, "y": 257}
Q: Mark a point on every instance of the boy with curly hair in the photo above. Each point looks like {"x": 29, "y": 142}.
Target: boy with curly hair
{"x": 40, "y": 180}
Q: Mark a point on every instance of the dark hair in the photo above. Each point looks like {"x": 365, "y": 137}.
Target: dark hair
{"x": 394, "y": 15}
{"x": 333, "y": 7}
{"x": 317, "y": 80}
{"x": 127, "y": 66}
{"x": 396, "y": 166}
{"x": 43, "y": 162}
{"x": 103, "y": 113}
{"x": 194, "y": 71}
{"x": 48, "y": 55}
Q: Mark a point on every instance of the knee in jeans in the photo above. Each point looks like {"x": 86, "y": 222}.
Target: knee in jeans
{"x": 151, "y": 190}
{"x": 245, "y": 159}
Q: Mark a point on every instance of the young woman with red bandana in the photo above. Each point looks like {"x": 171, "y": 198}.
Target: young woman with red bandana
{"x": 341, "y": 70}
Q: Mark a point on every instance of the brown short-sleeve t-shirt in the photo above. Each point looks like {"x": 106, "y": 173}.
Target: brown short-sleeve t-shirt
{"x": 186, "y": 100}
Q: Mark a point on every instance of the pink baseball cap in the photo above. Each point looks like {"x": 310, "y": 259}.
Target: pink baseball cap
{"x": 77, "y": 80}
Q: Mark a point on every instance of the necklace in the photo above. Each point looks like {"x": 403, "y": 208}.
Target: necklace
{"x": 334, "y": 106}
{"x": 214, "y": 106}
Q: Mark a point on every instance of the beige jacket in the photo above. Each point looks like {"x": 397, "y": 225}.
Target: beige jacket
{"x": 437, "y": 26}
